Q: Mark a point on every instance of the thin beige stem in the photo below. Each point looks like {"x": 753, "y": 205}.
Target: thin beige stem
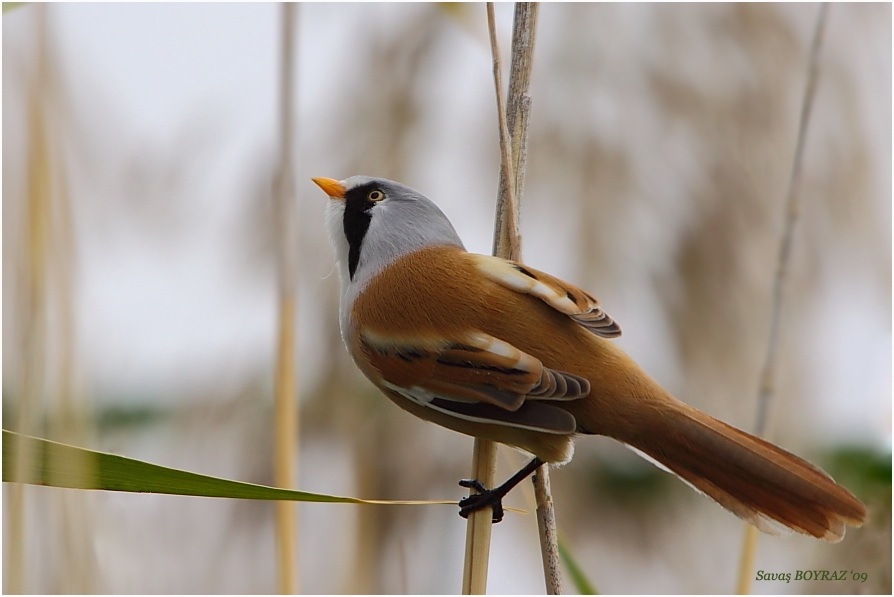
{"x": 518, "y": 111}
{"x": 484, "y": 457}
{"x": 285, "y": 382}
{"x": 792, "y": 211}
{"x": 32, "y": 325}
{"x": 507, "y": 244}
{"x": 767, "y": 388}
{"x": 549, "y": 541}
{"x": 518, "y": 104}
{"x": 746, "y": 562}
{"x": 479, "y": 525}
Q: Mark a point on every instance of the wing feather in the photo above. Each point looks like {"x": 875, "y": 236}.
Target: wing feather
{"x": 478, "y": 377}
{"x": 565, "y": 298}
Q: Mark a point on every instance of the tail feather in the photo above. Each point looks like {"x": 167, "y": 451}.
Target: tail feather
{"x": 752, "y": 478}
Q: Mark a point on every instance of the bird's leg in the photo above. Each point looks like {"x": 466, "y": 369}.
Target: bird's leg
{"x": 493, "y": 497}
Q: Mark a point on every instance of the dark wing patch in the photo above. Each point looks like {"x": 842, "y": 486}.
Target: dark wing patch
{"x": 532, "y": 415}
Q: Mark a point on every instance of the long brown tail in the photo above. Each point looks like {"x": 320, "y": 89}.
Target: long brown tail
{"x": 752, "y": 478}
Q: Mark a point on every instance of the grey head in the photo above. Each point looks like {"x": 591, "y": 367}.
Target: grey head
{"x": 378, "y": 221}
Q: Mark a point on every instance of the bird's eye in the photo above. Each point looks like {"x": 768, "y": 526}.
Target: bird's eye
{"x": 375, "y": 195}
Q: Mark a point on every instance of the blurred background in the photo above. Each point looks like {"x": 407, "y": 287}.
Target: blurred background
{"x": 140, "y": 144}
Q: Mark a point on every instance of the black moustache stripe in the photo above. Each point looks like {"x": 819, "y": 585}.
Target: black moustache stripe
{"x": 356, "y": 223}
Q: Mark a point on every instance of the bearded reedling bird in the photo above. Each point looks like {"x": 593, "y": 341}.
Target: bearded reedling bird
{"x": 498, "y": 350}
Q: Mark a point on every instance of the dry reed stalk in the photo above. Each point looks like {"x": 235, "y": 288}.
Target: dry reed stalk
{"x": 479, "y": 525}
{"x": 31, "y": 287}
{"x": 518, "y": 102}
{"x": 507, "y": 244}
{"x": 518, "y": 111}
{"x": 285, "y": 384}
{"x": 793, "y": 207}
{"x": 507, "y": 241}
{"x": 549, "y": 540}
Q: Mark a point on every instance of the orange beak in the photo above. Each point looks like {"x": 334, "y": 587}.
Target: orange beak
{"x": 331, "y": 187}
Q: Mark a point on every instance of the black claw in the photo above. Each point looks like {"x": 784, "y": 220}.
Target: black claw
{"x": 472, "y": 484}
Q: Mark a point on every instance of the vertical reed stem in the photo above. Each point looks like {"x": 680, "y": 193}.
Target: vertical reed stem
{"x": 479, "y": 525}
{"x": 484, "y": 457}
{"x": 32, "y": 328}
{"x": 549, "y": 541}
{"x": 285, "y": 385}
{"x": 767, "y": 388}
{"x": 507, "y": 244}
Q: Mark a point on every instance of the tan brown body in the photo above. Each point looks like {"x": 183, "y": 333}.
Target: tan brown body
{"x": 749, "y": 476}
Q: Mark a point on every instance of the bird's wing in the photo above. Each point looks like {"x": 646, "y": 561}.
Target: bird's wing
{"x": 475, "y": 377}
{"x": 561, "y": 296}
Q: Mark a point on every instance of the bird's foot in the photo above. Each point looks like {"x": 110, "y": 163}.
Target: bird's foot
{"x": 493, "y": 497}
{"x": 484, "y": 498}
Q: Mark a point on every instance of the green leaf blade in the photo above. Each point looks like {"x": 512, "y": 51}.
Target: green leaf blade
{"x": 54, "y": 464}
